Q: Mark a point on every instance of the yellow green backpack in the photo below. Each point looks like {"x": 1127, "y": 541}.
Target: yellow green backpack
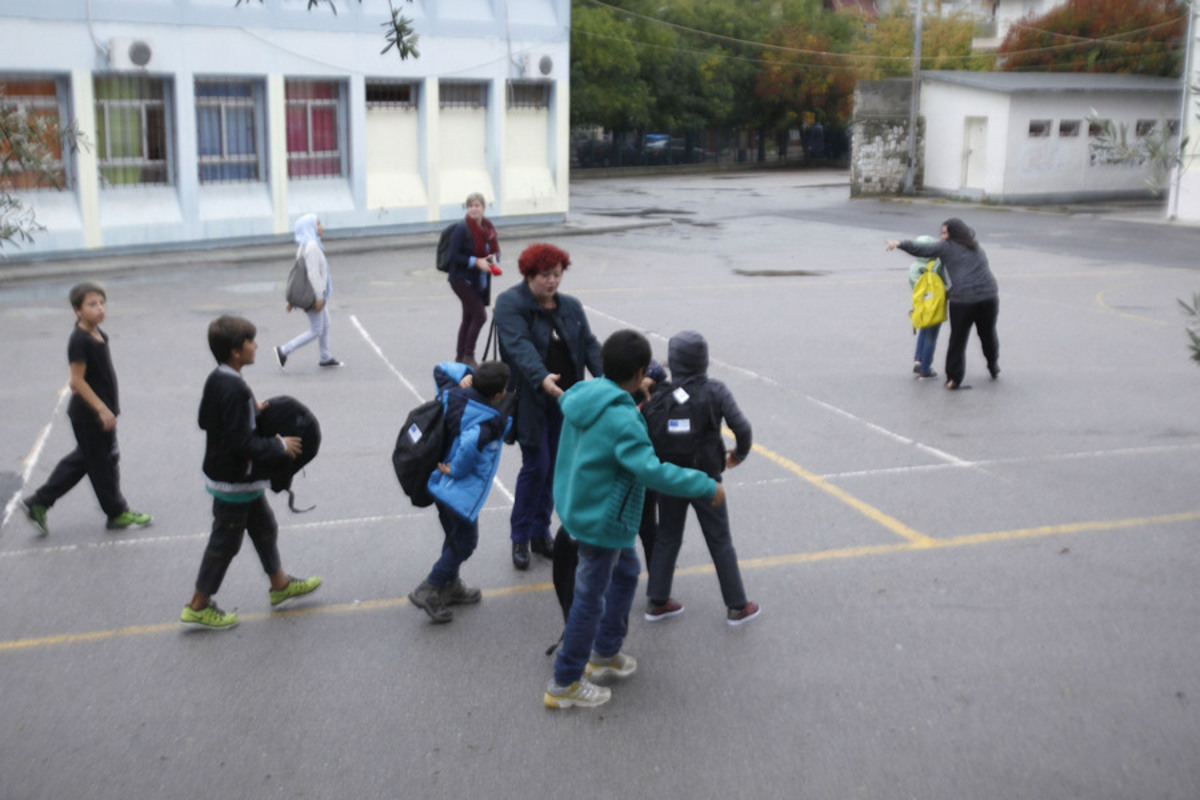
{"x": 928, "y": 299}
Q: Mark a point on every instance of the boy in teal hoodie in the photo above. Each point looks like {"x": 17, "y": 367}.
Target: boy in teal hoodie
{"x": 605, "y": 464}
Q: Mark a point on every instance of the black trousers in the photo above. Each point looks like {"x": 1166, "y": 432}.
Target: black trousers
{"x": 230, "y": 521}
{"x": 95, "y": 455}
{"x": 982, "y": 316}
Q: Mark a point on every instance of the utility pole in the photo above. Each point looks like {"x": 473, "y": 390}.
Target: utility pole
{"x": 1183, "y": 109}
{"x": 915, "y": 106}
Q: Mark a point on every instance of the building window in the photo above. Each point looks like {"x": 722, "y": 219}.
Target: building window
{"x": 392, "y": 94}
{"x": 1145, "y": 127}
{"x": 315, "y": 129}
{"x": 462, "y": 94}
{"x": 1068, "y": 128}
{"x": 228, "y": 121}
{"x": 39, "y": 101}
{"x": 1039, "y": 128}
{"x": 528, "y": 94}
{"x": 1173, "y": 127}
{"x": 1096, "y": 128}
{"x": 132, "y": 137}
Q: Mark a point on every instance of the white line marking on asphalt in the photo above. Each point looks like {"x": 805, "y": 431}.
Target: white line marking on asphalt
{"x": 379, "y": 352}
{"x": 34, "y": 454}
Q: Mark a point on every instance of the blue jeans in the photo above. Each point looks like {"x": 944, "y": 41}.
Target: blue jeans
{"x": 605, "y": 583}
{"x": 460, "y": 542}
{"x": 926, "y": 345}
{"x": 533, "y": 498}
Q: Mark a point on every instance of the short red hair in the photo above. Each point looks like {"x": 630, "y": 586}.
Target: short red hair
{"x": 539, "y": 258}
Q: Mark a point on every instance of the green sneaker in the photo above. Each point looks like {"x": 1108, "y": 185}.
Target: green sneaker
{"x": 211, "y": 618}
{"x": 128, "y": 519}
{"x": 295, "y": 588}
{"x": 37, "y": 516}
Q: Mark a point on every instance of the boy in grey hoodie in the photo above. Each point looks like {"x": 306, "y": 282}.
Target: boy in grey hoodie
{"x": 687, "y": 356}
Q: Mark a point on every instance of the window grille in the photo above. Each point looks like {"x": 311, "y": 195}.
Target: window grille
{"x": 132, "y": 136}
{"x": 38, "y": 99}
{"x": 390, "y": 94}
{"x": 315, "y": 129}
{"x": 528, "y": 94}
{"x": 228, "y": 121}
{"x": 461, "y": 94}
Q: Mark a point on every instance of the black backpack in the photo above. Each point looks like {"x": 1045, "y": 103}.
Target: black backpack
{"x": 287, "y": 416}
{"x": 420, "y": 446}
{"x": 683, "y": 427}
{"x": 443, "y": 248}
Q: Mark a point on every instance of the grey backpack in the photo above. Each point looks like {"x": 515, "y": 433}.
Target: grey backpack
{"x": 300, "y": 292}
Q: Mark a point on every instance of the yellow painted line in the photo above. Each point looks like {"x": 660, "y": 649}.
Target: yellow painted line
{"x": 916, "y": 538}
{"x": 746, "y": 564}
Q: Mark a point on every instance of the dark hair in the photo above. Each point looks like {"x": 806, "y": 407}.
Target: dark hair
{"x": 959, "y": 231}
{"x": 541, "y": 257}
{"x": 227, "y": 333}
{"x": 80, "y": 291}
{"x": 491, "y": 378}
{"x": 623, "y": 354}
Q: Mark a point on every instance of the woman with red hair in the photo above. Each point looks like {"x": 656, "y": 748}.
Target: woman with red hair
{"x": 547, "y": 343}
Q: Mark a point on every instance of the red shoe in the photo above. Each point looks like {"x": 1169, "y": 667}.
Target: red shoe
{"x": 671, "y": 608}
{"x": 738, "y": 616}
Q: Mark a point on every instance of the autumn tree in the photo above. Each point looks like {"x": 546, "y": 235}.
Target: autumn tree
{"x": 1133, "y": 36}
{"x": 885, "y": 45}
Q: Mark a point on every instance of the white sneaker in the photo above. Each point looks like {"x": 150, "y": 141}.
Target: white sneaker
{"x": 618, "y": 666}
{"x": 582, "y": 693}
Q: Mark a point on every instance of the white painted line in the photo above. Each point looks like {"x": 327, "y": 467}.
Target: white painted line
{"x": 31, "y": 460}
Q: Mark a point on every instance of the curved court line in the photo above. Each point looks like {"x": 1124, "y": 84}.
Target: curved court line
{"x": 1095, "y": 526}
{"x": 1100, "y": 301}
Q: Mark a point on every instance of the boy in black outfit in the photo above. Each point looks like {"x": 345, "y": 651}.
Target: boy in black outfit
{"x": 234, "y": 448}
{"x": 93, "y": 413}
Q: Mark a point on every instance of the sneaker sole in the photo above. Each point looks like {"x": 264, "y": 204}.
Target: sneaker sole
{"x": 287, "y": 600}
{"x": 131, "y": 526}
{"x": 665, "y": 615}
{"x": 203, "y": 626}
{"x": 552, "y": 701}
{"x": 744, "y": 620}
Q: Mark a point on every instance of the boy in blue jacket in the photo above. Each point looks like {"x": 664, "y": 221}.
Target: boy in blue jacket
{"x": 461, "y": 484}
{"x": 605, "y": 464}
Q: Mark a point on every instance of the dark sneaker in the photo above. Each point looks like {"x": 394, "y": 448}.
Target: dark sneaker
{"x": 520, "y": 555}
{"x": 740, "y": 616}
{"x": 542, "y": 546}
{"x": 37, "y": 517}
{"x": 618, "y": 666}
{"x": 128, "y": 519}
{"x": 329, "y": 362}
{"x": 457, "y": 593}
{"x": 994, "y": 370}
{"x": 280, "y": 357}
{"x": 211, "y": 618}
{"x": 582, "y": 693}
{"x": 924, "y": 375}
{"x": 295, "y": 588}
{"x": 427, "y": 598}
{"x": 671, "y": 608}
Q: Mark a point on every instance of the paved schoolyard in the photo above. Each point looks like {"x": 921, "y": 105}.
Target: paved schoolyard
{"x": 983, "y": 594}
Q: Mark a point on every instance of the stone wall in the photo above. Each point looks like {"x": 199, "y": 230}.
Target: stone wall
{"x": 879, "y": 155}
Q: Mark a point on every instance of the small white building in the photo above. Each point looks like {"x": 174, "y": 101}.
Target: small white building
{"x": 1014, "y": 137}
{"x": 207, "y": 122}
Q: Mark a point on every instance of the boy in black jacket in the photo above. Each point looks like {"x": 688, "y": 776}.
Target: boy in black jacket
{"x": 234, "y": 447}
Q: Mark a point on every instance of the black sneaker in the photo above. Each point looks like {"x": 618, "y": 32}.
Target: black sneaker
{"x": 280, "y": 357}
{"x": 329, "y": 362}
{"x": 521, "y": 555}
{"x": 542, "y": 546}
{"x": 428, "y": 598}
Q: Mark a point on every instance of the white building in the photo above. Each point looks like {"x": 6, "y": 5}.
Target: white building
{"x": 208, "y": 122}
{"x": 1024, "y": 137}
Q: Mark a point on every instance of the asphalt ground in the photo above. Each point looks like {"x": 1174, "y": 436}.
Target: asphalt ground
{"x": 978, "y": 594}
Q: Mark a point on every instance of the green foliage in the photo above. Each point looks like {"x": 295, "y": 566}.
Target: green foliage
{"x": 28, "y": 147}
{"x": 398, "y": 31}
{"x": 1130, "y": 36}
{"x": 1157, "y": 149}
{"x": 1192, "y": 310}
{"x": 885, "y": 46}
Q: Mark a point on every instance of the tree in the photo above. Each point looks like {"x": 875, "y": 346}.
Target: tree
{"x": 1131, "y": 36}
{"x": 31, "y": 148}
{"x": 885, "y": 46}
{"x": 398, "y": 31}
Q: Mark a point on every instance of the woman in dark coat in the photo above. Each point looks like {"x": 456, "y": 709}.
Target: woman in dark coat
{"x": 971, "y": 292}
{"x": 474, "y": 258}
{"x": 547, "y": 343}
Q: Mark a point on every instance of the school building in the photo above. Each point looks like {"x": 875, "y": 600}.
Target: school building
{"x": 212, "y": 122}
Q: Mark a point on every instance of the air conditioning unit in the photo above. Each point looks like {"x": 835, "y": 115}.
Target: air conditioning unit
{"x": 537, "y": 65}
{"x": 129, "y": 54}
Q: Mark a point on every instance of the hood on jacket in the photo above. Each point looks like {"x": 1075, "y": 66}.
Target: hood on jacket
{"x": 584, "y": 402}
{"x": 687, "y": 356}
